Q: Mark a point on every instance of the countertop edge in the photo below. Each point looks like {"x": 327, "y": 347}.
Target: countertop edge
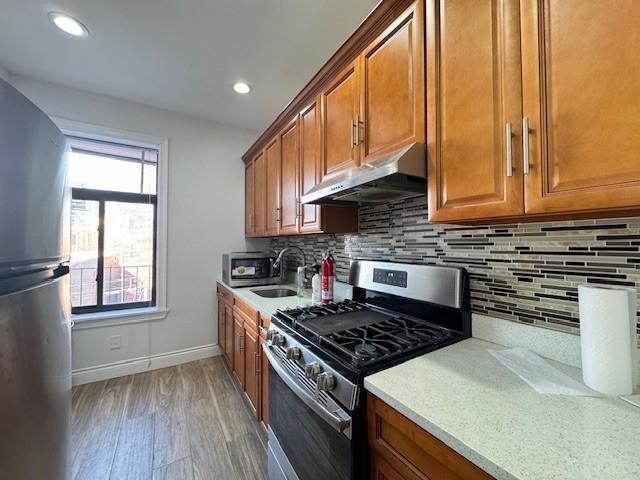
{"x": 448, "y": 439}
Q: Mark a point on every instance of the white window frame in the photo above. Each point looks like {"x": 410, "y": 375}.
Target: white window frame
{"x": 160, "y": 310}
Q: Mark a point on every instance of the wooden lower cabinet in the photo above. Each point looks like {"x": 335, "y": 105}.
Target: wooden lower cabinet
{"x": 225, "y": 322}
{"x": 264, "y": 381}
{"x": 238, "y": 355}
{"x": 228, "y": 335}
{"x": 400, "y": 449}
{"x": 251, "y": 367}
{"x": 242, "y": 333}
{"x": 222, "y": 324}
{"x": 381, "y": 470}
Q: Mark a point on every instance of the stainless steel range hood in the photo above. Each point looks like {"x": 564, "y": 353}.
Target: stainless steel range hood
{"x": 398, "y": 175}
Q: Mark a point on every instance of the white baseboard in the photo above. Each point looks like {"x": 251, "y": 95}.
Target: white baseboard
{"x": 143, "y": 364}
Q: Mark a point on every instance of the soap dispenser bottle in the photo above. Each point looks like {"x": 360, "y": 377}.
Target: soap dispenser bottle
{"x": 316, "y": 285}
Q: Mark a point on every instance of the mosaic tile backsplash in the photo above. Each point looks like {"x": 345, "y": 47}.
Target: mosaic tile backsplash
{"x": 521, "y": 272}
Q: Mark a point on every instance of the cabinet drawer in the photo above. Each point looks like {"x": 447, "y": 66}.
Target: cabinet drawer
{"x": 413, "y": 452}
{"x": 246, "y": 312}
{"x": 224, "y": 294}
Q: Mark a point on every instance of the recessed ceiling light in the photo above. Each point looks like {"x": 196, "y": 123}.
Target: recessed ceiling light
{"x": 242, "y": 88}
{"x": 68, "y": 24}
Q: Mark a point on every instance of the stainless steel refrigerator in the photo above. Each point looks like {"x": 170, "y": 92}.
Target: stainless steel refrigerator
{"x": 35, "y": 333}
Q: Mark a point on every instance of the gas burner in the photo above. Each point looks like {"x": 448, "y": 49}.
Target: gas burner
{"x": 366, "y": 350}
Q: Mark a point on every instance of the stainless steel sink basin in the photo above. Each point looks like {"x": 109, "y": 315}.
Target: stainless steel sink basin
{"x": 277, "y": 292}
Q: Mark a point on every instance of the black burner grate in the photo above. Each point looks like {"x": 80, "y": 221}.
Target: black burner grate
{"x": 361, "y": 335}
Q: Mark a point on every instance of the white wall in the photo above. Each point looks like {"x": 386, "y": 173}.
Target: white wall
{"x": 4, "y": 73}
{"x": 205, "y": 217}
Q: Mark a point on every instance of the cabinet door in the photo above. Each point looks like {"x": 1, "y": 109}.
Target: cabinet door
{"x": 289, "y": 162}
{"x": 264, "y": 383}
{"x": 581, "y": 91}
{"x": 272, "y": 175}
{"x": 238, "y": 349}
{"x": 340, "y": 106}
{"x": 381, "y": 470}
{"x": 393, "y": 86}
{"x": 249, "y": 200}
{"x": 309, "y": 164}
{"x": 221, "y": 324}
{"x": 473, "y": 93}
{"x": 260, "y": 195}
{"x": 228, "y": 335}
{"x": 252, "y": 367}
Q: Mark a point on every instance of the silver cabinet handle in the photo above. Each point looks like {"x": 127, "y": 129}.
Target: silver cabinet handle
{"x": 256, "y": 368}
{"x": 353, "y": 133}
{"x": 299, "y": 205}
{"x": 359, "y": 139}
{"x": 525, "y": 145}
{"x": 277, "y": 214}
{"x": 508, "y": 138}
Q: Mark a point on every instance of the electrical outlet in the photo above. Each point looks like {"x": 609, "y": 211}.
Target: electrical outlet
{"x": 116, "y": 342}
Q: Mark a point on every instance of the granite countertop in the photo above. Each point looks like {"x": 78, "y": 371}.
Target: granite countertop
{"x": 462, "y": 395}
{"x": 268, "y": 306}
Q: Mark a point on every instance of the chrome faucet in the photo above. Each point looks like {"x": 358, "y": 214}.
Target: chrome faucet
{"x": 278, "y": 260}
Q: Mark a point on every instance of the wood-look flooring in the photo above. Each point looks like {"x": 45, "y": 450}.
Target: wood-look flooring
{"x": 180, "y": 423}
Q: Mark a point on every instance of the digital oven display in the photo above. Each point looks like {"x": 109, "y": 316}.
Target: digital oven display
{"x": 395, "y": 278}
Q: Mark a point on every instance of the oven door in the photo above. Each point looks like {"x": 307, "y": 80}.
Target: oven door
{"x": 309, "y": 433}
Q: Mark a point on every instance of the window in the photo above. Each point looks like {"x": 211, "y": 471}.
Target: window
{"x": 113, "y": 225}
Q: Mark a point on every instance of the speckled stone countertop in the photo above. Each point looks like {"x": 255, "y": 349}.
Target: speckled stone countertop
{"x": 268, "y": 306}
{"x": 466, "y": 398}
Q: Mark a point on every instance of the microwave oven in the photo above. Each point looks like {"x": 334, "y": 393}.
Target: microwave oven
{"x": 248, "y": 269}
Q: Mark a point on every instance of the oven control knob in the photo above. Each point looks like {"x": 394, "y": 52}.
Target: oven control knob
{"x": 293, "y": 353}
{"x": 325, "y": 381}
{"x": 270, "y": 334}
{"x": 312, "y": 370}
{"x": 278, "y": 340}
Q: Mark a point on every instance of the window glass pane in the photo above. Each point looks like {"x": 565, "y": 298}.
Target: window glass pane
{"x": 128, "y": 252}
{"x": 104, "y": 173}
{"x": 84, "y": 252}
{"x": 149, "y": 182}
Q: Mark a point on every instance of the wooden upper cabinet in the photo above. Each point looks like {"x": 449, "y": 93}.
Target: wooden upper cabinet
{"x": 392, "y": 92}
{"x": 309, "y": 163}
{"x": 249, "y": 199}
{"x": 581, "y": 91}
{"x": 473, "y": 95}
{"x": 272, "y": 196}
{"x": 340, "y": 107}
{"x": 260, "y": 195}
{"x": 289, "y": 164}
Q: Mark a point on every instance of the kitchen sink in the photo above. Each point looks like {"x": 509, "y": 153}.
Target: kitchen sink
{"x": 274, "y": 292}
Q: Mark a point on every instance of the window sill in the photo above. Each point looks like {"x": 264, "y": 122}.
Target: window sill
{"x": 118, "y": 317}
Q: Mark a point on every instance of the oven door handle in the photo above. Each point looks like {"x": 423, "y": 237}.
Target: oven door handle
{"x": 337, "y": 422}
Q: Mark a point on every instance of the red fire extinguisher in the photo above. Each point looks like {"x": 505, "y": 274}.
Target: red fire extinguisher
{"x": 328, "y": 278}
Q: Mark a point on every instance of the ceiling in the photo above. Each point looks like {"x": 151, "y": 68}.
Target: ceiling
{"x": 182, "y": 55}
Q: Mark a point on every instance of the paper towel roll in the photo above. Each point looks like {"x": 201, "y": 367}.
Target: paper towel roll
{"x": 607, "y": 338}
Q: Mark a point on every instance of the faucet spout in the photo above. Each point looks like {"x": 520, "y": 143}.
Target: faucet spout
{"x": 278, "y": 260}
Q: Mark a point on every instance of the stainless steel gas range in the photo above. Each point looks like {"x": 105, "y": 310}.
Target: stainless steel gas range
{"x": 319, "y": 355}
